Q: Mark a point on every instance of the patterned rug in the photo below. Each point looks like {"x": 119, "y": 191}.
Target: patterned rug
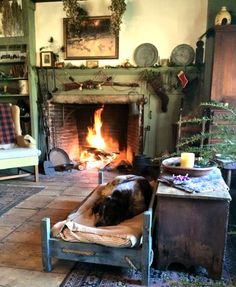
{"x": 11, "y": 195}
{"x": 94, "y": 275}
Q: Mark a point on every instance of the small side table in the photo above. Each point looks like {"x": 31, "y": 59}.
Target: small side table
{"x": 191, "y": 229}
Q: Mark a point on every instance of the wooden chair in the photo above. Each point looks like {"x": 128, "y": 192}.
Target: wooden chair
{"x": 17, "y": 150}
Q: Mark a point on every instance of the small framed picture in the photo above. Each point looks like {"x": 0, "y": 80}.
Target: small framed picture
{"x": 46, "y": 59}
{"x": 91, "y": 64}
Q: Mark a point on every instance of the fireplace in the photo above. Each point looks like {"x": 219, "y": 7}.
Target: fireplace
{"x": 71, "y": 115}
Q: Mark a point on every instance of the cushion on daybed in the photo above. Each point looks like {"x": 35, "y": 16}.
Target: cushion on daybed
{"x": 79, "y": 225}
{"x": 18, "y": 152}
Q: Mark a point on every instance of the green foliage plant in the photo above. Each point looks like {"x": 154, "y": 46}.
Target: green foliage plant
{"x": 217, "y": 135}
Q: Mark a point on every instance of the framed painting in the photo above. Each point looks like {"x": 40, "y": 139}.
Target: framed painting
{"x": 94, "y": 40}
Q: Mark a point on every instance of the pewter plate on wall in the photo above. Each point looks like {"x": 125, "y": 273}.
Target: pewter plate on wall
{"x": 145, "y": 55}
{"x": 182, "y": 55}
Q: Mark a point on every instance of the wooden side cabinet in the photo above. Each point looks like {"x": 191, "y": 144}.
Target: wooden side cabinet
{"x": 191, "y": 229}
{"x": 223, "y": 87}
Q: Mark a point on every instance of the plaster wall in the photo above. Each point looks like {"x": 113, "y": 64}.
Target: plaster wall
{"x": 164, "y": 23}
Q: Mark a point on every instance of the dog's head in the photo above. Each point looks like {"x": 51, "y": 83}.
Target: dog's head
{"x": 108, "y": 212}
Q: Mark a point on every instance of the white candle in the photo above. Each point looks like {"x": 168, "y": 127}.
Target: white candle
{"x": 187, "y": 160}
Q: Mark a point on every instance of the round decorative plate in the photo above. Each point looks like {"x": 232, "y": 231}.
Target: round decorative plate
{"x": 145, "y": 55}
{"x": 58, "y": 157}
{"x": 182, "y": 55}
{"x": 172, "y": 165}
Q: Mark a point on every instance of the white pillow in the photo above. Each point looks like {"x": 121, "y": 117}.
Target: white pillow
{"x": 7, "y": 146}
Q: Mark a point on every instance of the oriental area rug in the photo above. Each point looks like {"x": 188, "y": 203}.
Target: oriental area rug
{"x": 11, "y": 195}
{"x": 94, "y": 275}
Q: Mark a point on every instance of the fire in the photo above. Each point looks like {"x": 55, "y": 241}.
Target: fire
{"x": 94, "y": 137}
{"x": 95, "y": 155}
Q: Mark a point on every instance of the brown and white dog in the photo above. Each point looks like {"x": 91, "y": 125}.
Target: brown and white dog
{"x": 128, "y": 196}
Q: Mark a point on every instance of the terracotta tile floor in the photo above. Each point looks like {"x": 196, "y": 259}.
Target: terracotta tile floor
{"x": 20, "y": 247}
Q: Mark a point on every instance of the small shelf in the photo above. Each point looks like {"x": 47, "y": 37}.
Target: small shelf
{"x": 12, "y": 79}
{"x": 10, "y": 62}
{"x": 5, "y": 95}
{"x": 14, "y": 41}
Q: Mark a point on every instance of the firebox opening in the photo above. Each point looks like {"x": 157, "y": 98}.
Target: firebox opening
{"x": 120, "y": 129}
{"x": 114, "y": 125}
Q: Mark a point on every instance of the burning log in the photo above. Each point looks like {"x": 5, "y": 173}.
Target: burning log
{"x": 99, "y": 152}
{"x": 92, "y": 156}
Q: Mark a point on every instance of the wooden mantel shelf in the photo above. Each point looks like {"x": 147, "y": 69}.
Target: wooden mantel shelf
{"x": 118, "y": 70}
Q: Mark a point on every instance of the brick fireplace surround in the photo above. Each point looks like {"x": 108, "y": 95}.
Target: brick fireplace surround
{"x": 70, "y": 113}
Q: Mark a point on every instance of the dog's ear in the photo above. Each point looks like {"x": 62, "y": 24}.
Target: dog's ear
{"x": 117, "y": 193}
{"x": 96, "y": 207}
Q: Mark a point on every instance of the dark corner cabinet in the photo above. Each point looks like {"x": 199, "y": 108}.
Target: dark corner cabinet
{"x": 224, "y": 65}
{"x": 17, "y": 75}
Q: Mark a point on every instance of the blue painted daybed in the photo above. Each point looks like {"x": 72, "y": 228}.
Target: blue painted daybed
{"x": 64, "y": 245}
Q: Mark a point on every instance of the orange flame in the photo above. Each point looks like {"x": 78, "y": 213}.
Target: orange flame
{"x": 96, "y": 140}
{"x": 94, "y": 137}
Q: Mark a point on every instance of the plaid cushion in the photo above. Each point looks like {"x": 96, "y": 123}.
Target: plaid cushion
{"x": 7, "y": 128}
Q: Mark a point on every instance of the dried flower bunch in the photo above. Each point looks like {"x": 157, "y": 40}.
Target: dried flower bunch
{"x": 12, "y": 18}
{"x": 118, "y": 8}
{"x": 75, "y": 14}
{"x": 181, "y": 179}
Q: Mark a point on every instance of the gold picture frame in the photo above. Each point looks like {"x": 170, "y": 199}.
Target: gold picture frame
{"x": 94, "y": 41}
{"x": 91, "y": 64}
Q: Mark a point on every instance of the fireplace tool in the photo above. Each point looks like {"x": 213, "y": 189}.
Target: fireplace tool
{"x": 55, "y": 89}
{"x": 58, "y": 161}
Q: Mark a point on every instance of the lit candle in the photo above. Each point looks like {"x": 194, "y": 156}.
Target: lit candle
{"x": 187, "y": 160}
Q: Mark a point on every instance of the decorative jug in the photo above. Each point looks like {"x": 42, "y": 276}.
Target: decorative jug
{"x": 223, "y": 17}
